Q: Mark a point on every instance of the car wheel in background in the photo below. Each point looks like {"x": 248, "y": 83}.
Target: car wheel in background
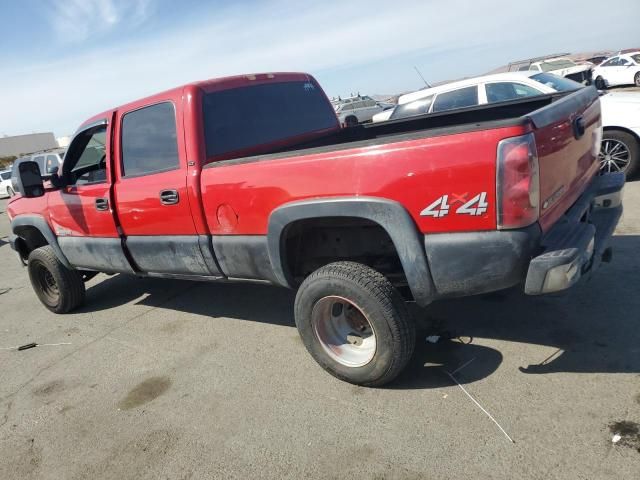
{"x": 619, "y": 153}
{"x": 351, "y": 121}
{"x": 636, "y": 79}
{"x": 600, "y": 83}
{"x": 355, "y": 323}
{"x": 10, "y": 192}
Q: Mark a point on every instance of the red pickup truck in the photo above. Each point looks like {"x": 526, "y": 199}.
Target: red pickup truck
{"x": 253, "y": 178}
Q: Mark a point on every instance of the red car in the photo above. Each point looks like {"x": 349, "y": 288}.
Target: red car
{"x": 253, "y": 178}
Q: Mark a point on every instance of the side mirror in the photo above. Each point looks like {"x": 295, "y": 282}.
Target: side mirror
{"x": 29, "y": 179}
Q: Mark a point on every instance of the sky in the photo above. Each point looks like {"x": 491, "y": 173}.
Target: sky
{"x": 64, "y": 61}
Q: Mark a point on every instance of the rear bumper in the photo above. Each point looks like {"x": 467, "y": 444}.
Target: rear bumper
{"x": 578, "y": 242}
{"x": 463, "y": 264}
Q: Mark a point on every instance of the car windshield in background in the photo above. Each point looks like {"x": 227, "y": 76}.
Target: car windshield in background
{"x": 242, "y": 118}
{"x": 5, "y": 175}
{"x": 556, "y": 65}
{"x": 636, "y": 58}
{"x": 560, "y": 84}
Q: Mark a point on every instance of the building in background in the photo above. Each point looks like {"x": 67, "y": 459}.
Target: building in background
{"x": 63, "y": 142}
{"x": 25, "y": 144}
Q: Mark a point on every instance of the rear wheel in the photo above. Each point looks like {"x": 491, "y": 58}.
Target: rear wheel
{"x": 619, "y": 152}
{"x": 58, "y": 288}
{"x": 351, "y": 121}
{"x": 354, "y": 323}
{"x": 600, "y": 83}
{"x": 636, "y": 79}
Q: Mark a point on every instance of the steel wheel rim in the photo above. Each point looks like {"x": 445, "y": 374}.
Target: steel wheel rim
{"x": 47, "y": 284}
{"x": 343, "y": 331}
{"x": 614, "y": 156}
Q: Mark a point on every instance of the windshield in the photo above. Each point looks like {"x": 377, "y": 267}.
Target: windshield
{"x": 5, "y": 175}
{"x": 559, "y": 84}
{"x": 551, "y": 65}
{"x": 241, "y": 119}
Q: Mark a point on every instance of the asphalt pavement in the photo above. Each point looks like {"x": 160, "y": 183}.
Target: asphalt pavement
{"x": 170, "y": 379}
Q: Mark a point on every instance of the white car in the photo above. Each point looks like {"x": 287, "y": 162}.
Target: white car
{"x": 565, "y": 67}
{"x": 620, "y": 110}
{"x": 6, "y": 190}
{"x": 621, "y": 69}
{"x": 354, "y": 110}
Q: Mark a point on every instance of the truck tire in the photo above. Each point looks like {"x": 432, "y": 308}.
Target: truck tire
{"x": 58, "y": 288}
{"x": 354, "y": 323}
{"x": 620, "y": 151}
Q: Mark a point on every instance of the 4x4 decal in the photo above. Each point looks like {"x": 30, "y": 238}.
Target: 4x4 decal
{"x": 442, "y": 206}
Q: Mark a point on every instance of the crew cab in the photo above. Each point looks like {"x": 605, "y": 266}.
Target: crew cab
{"x": 252, "y": 178}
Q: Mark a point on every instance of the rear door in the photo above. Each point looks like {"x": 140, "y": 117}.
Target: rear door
{"x": 81, "y": 213}
{"x": 567, "y": 135}
{"x": 151, "y": 192}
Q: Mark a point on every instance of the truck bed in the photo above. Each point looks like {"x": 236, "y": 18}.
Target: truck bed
{"x": 479, "y": 117}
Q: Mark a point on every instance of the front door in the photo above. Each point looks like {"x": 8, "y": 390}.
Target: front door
{"x": 151, "y": 195}
{"x": 81, "y": 214}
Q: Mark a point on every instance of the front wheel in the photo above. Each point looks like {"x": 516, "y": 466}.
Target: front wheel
{"x": 600, "y": 83}
{"x": 58, "y": 288}
{"x": 636, "y": 79}
{"x": 354, "y": 323}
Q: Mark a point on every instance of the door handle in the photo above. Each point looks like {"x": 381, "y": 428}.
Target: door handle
{"x": 169, "y": 197}
{"x": 102, "y": 204}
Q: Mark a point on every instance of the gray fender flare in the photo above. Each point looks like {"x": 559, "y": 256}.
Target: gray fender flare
{"x": 41, "y": 224}
{"x": 390, "y": 215}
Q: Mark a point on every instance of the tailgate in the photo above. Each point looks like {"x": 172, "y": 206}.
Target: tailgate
{"x": 567, "y": 134}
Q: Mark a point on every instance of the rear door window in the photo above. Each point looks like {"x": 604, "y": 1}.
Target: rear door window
{"x": 40, "y": 161}
{"x": 241, "y": 119}
{"x": 52, "y": 164}
{"x": 461, "y": 98}
{"x": 505, "y": 91}
{"x": 149, "y": 140}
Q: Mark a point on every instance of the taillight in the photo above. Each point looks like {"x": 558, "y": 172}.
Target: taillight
{"x": 518, "y": 182}
{"x": 597, "y": 140}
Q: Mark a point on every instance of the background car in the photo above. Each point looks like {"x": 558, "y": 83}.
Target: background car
{"x": 620, "y": 148}
{"x": 622, "y": 69}
{"x": 47, "y": 161}
{"x": 358, "y": 109}
{"x": 6, "y": 189}
{"x": 565, "y": 67}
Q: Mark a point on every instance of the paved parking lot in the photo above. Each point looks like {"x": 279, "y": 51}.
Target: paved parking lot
{"x": 180, "y": 380}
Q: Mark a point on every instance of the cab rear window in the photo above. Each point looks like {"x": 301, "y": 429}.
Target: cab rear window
{"x": 240, "y": 119}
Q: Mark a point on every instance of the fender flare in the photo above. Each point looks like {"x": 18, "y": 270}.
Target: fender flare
{"x": 41, "y": 224}
{"x": 390, "y": 215}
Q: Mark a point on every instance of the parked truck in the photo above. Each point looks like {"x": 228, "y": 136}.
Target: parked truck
{"x": 252, "y": 178}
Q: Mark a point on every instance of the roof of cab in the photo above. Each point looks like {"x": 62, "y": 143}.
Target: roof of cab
{"x": 213, "y": 84}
